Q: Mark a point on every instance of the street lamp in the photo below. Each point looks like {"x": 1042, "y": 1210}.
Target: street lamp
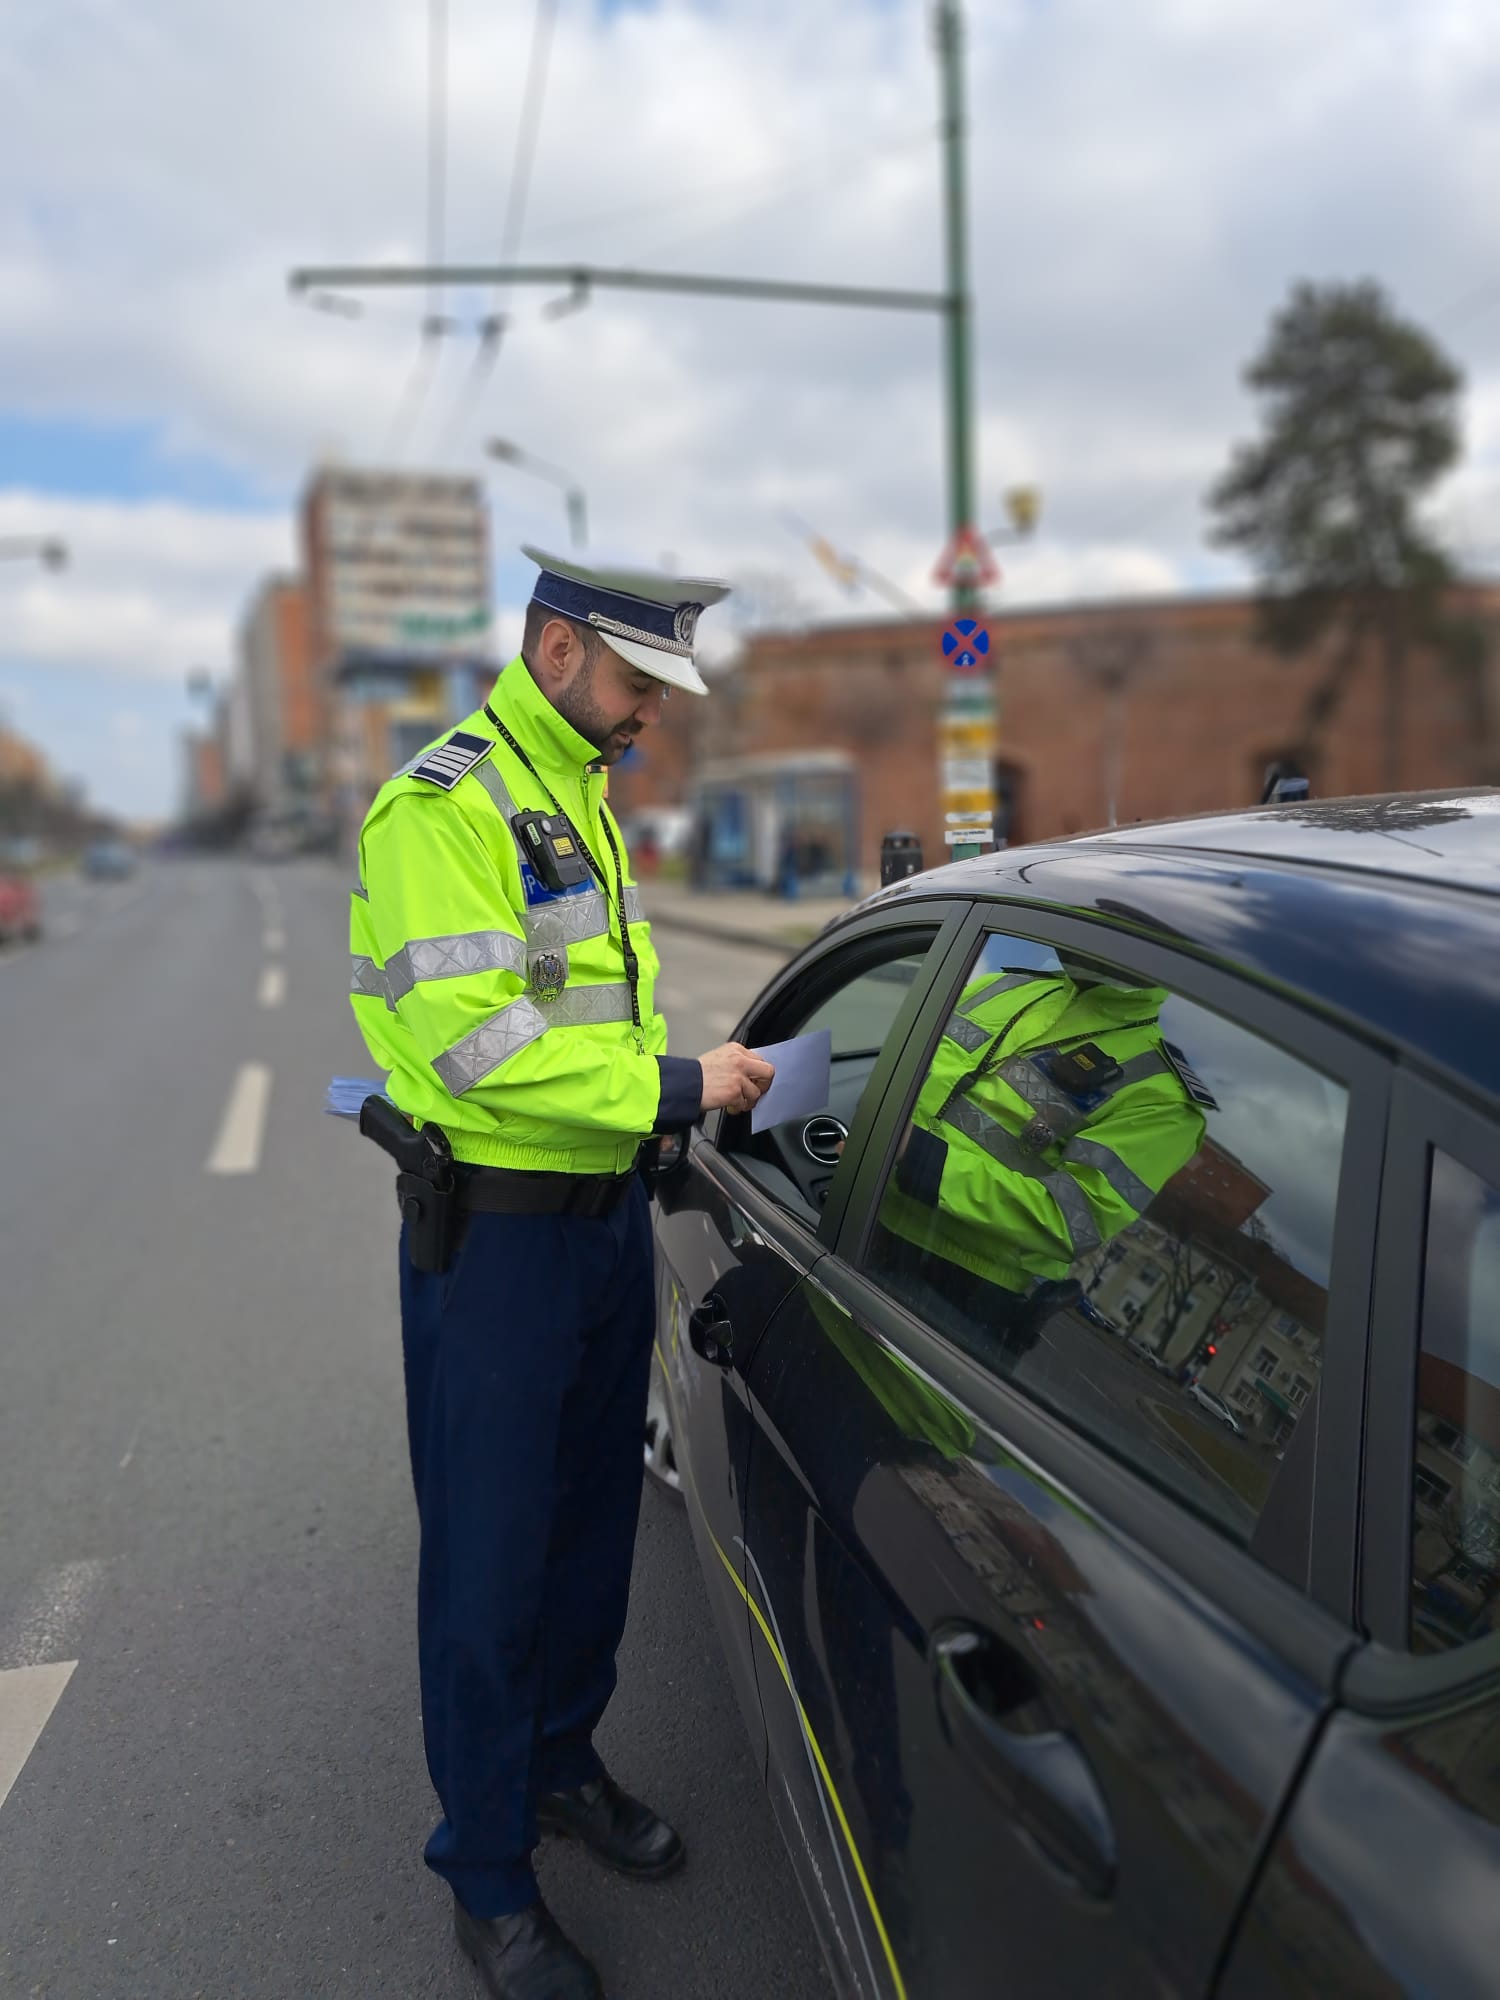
{"x": 1024, "y": 506}
{"x": 46, "y": 549}
{"x": 573, "y": 494}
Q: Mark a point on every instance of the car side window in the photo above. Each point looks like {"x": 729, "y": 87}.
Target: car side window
{"x": 1123, "y": 1204}
{"x": 855, "y": 994}
{"x": 1455, "y": 1580}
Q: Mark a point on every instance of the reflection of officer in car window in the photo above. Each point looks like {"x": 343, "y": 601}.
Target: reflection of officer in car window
{"x": 1053, "y": 1114}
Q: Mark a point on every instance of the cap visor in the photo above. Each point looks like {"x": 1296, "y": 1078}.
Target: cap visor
{"x": 669, "y": 668}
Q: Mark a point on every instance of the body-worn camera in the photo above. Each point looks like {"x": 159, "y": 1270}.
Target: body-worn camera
{"x": 552, "y": 847}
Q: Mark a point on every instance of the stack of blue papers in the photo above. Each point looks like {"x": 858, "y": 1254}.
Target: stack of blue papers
{"x": 347, "y": 1093}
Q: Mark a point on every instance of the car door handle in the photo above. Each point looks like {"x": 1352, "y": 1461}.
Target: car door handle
{"x": 710, "y": 1333}
{"x": 994, "y": 1713}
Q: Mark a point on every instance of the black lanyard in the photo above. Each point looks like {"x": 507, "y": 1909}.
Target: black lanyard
{"x": 632, "y": 963}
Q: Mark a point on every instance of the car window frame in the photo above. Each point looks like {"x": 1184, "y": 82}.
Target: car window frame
{"x": 1361, "y": 1066}
{"x": 1425, "y": 1117}
{"x": 946, "y": 919}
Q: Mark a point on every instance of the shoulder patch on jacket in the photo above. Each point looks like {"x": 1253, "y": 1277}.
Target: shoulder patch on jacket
{"x": 1188, "y": 1077}
{"x": 452, "y": 759}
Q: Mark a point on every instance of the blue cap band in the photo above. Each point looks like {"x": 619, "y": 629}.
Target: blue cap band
{"x": 669, "y": 627}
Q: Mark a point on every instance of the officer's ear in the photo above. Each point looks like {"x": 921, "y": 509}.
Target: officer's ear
{"x": 559, "y": 654}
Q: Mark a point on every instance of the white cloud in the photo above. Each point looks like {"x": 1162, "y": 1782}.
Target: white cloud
{"x": 150, "y": 590}
{"x": 1146, "y": 183}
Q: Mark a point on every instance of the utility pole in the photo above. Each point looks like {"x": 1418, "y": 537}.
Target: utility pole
{"x": 967, "y": 738}
{"x": 960, "y": 372}
{"x": 967, "y": 729}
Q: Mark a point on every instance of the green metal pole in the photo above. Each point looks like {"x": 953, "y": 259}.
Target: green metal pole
{"x": 960, "y": 362}
{"x": 969, "y": 713}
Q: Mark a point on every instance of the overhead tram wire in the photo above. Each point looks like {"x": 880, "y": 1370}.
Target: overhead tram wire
{"x": 747, "y": 195}
{"x": 435, "y": 324}
{"x": 528, "y": 131}
{"x": 829, "y": 174}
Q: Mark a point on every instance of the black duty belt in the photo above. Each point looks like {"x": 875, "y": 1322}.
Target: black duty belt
{"x": 532, "y": 1191}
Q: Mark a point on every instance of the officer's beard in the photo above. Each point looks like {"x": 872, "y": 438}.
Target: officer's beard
{"x": 579, "y": 705}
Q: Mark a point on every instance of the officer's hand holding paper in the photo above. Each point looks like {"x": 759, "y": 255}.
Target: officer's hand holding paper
{"x": 800, "y": 1087}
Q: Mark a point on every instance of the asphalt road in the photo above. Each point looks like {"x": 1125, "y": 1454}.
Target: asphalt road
{"x": 206, "y": 1505}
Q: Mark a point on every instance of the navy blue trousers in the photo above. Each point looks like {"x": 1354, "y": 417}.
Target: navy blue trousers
{"x": 526, "y": 1374}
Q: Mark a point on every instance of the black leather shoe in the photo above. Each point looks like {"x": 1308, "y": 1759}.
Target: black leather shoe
{"x": 625, "y": 1834}
{"x": 525, "y": 1957}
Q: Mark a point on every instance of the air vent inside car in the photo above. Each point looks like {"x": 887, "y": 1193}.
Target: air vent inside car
{"x": 821, "y": 1138}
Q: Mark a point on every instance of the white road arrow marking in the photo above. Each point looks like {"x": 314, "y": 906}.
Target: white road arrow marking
{"x": 28, "y": 1696}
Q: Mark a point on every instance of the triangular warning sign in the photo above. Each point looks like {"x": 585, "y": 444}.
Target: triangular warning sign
{"x": 967, "y": 560}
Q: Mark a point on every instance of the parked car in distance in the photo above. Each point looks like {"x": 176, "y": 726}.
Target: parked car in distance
{"x": 20, "y": 905}
{"x": 109, "y": 860}
{"x": 1059, "y": 1686}
{"x": 1147, "y": 1353}
{"x": 1216, "y": 1406}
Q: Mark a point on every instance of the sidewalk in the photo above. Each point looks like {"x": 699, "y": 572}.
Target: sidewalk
{"x": 741, "y": 916}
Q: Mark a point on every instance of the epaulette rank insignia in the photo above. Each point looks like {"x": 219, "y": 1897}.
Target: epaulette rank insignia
{"x": 453, "y": 759}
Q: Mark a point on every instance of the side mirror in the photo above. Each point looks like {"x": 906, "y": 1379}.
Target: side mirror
{"x": 664, "y": 1158}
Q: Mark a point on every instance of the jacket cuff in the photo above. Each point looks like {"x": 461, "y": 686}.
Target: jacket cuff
{"x": 919, "y": 1171}
{"x": 681, "y": 1092}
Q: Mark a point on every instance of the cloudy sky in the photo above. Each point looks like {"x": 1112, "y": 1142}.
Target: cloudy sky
{"x": 1147, "y": 181}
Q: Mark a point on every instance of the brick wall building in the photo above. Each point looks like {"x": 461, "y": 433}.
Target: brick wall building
{"x": 286, "y": 697}
{"x": 1171, "y": 706}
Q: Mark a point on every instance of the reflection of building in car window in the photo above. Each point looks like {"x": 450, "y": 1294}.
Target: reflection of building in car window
{"x": 1456, "y": 1468}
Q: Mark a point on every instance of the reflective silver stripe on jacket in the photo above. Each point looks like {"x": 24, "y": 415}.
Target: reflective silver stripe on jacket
{"x": 1006, "y": 983}
{"x": 357, "y": 888}
{"x": 494, "y": 784}
{"x": 482, "y": 1051}
{"x": 570, "y": 920}
{"x": 1000, "y": 1144}
{"x": 1071, "y": 1199}
{"x": 587, "y": 1006}
{"x": 366, "y": 978}
{"x": 1150, "y": 1062}
{"x": 1129, "y": 1186}
{"x": 1061, "y": 1114}
{"x": 1004, "y": 1147}
{"x": 452, "y": 957}
{"x": 968, "y": 1034}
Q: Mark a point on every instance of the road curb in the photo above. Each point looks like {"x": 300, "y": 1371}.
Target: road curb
{"x": 677, "y": 920}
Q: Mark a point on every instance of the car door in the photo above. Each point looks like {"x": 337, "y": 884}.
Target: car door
{"x": 748, "y": 1214}
{"x": 1382, "y": 1877}
{"x": 1050, "y": 1638}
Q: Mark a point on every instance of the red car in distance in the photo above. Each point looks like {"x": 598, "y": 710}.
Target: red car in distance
{"x": 20, "y": 907}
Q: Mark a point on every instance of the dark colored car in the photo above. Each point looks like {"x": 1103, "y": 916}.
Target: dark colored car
{"x": 109, "y": 861}
{"x": 1061, "y": 1685}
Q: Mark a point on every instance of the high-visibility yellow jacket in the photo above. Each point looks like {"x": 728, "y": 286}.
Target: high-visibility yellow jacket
{"x": 458, "y": 950}
{"x": 1010, "y": 1176}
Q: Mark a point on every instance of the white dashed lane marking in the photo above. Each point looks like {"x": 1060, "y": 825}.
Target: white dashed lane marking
{"x": 273, "y": 986}
{"x": 243, "y": 1128}
{"x": 274, "y": 940}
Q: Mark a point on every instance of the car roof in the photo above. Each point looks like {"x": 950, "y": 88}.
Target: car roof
{"x": 1383, "y": 911}
{"x": 1448, "y": 837}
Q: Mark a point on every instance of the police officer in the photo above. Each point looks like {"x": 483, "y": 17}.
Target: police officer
{"x": 1053, "y": 1114}
{"x": 504, "y": 976}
